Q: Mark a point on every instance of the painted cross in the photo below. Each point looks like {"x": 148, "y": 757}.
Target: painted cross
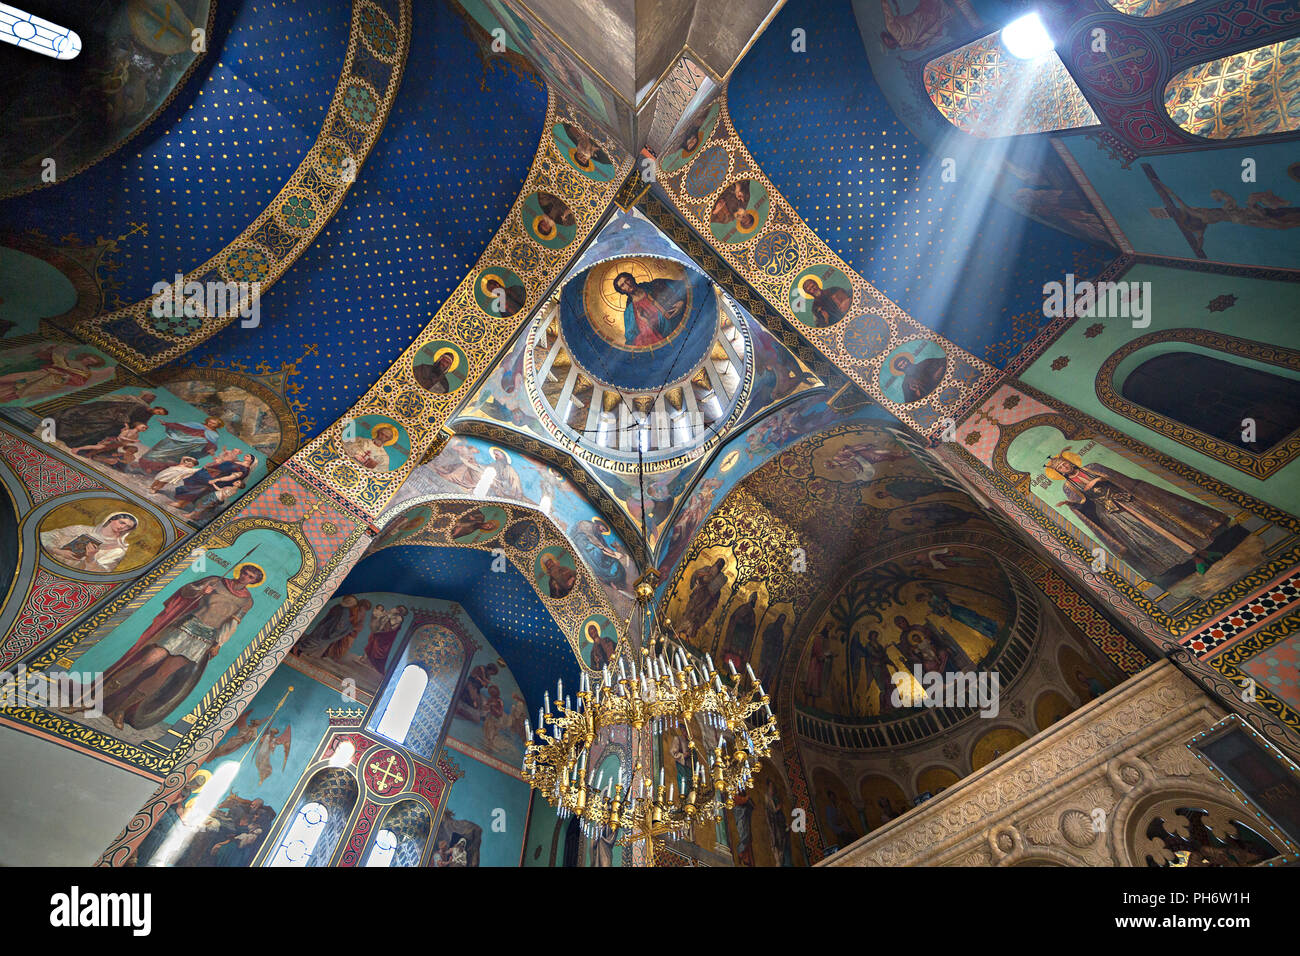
{"x": 384, "y": 774}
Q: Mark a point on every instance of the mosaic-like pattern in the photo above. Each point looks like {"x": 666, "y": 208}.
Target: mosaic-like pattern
{"x": 815, "y": 291}
{"x": 983, "y": 90}
{"x": 1247, "y": 94}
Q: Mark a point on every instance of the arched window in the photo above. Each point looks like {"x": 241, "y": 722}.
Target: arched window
{"x": 983, "y": 90}
{"x": 297, "y": 844}
{"x": 1246, "y": 94}
{"x": 1225, "y": 393}
{"x": 381, "y": 852}
{"x": 403, "y": 704}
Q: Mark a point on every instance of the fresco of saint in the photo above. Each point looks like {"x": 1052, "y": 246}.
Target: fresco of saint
{"x": 1152, "y": 529}
{"x": 169, "y": 659}
{"x": 654, "y": 309}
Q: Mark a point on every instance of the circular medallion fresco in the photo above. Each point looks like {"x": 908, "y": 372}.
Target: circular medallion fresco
{"x": 637, "y": 304}
{"x": 913, "y": 370}
{"x": 598, "y": 641}
{"x": 100, "y": 535}
{"x": 555, "y": 572}
{"x": 694, "y": 134}
{"x": 500, "y": 292}
{"x": 548, "y": 220}
{"x": 376, "y": 443}
{"x": 821, "y": 296}
{"x": 440, "y": 367}
{"x": 478, "y": 524}
{"x": 739, "y": 212}
{"x": 582, "y": 152}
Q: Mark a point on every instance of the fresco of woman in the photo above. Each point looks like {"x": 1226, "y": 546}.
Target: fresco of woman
{"x": 169, "y": 659}
{"x": 1152, "y": 529}
{"x": 97, "y": 548}
{"x": 653, "y": 310}
{"x": 329, "y": 629}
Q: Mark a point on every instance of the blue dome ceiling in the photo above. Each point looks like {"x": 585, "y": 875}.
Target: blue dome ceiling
{"x": 644, "y": 344}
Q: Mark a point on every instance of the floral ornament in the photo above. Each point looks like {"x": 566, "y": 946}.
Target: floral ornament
{"x": 298, "y": 212}
{"x": 972, "y": 438}
{"x": 1221, "y": 303}
{"x": 1011, "y": 401}
{"x": 1094, "y": 330}
{"x": 247, "y": 264}
{"x": 379, "y": 33}
{"x": 1060, "y": 362}
{"x": 360, "y": 105}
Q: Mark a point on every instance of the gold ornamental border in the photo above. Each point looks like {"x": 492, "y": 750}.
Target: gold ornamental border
{"x": 1258, "y": 465}
{"x": 925, "y": 415}
{"x": 569, "y": 612}
{"x": 322, "y": 179}
{"x": 480, "y": 334}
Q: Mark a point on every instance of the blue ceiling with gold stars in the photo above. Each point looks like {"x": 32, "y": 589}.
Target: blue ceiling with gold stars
{"x": 503, "y": 605}
{"x": 822, "y": 129}
{"x": 453, "y": 156}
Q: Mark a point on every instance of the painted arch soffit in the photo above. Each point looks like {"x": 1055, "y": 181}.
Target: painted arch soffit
{"x": 324, "y": 499}
{"x": 917, "y": 375}
{"x": 471, "y": 331}
{"x": 523, "y": 535}
{"x": 152, "y": 332}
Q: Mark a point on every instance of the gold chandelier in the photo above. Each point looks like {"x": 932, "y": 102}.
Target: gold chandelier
{"x": 660, "y": 688}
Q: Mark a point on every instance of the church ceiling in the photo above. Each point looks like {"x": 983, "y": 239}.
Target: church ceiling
{"x": 594, "y": 377}
{"x": 829, "y": 128}
{"x": 135, "y": 60}
{"x": 870, "y": 490}
{"x": 503, "y": 604}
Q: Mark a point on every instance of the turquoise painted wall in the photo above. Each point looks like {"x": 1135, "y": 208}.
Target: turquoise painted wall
{"x": 1265, "y": 311}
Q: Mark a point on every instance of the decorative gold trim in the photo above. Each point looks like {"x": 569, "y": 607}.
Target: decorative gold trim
{"x": 1258, "y": 465}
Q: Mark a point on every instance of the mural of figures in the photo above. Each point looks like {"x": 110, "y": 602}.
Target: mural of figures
{"x": 839, "y": 817}
{"x": 500, "y": 292}
{"x": 555, "y": 572}
{"x": 379, "y": 444}
{"x": 739, "y": 212}
{"x": 1186, "y": 206}
{"x": 577, "y": 147}
{"x": 31, "y": 374}
{"x": 912, "y": 371}
{"x": 163, "y": 449}
{"x": 916, "y": 29}
{"x": 599, "y": 641}
{"x": 101, "y": 535}
{"x": 637, "y": 304}
{"x": 466, "y": 836}
{"x": 490, "y": 711}
{"x": 163, "y": 659}
{"x": 895, "y": 618}
{"x": 1184, "y": 544}
{"x": 462, "y": 466}
{"x": 549, "y": 220}
{"x": 707, "y": 583}
{"x": 882, "y": 800}
{"x": 478, "y": 524}
{"x": 403, "y": 526}
{"x": 268, "y": 427}
{"x": 271, "y": 744}
{"x": 821, "y": 296}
